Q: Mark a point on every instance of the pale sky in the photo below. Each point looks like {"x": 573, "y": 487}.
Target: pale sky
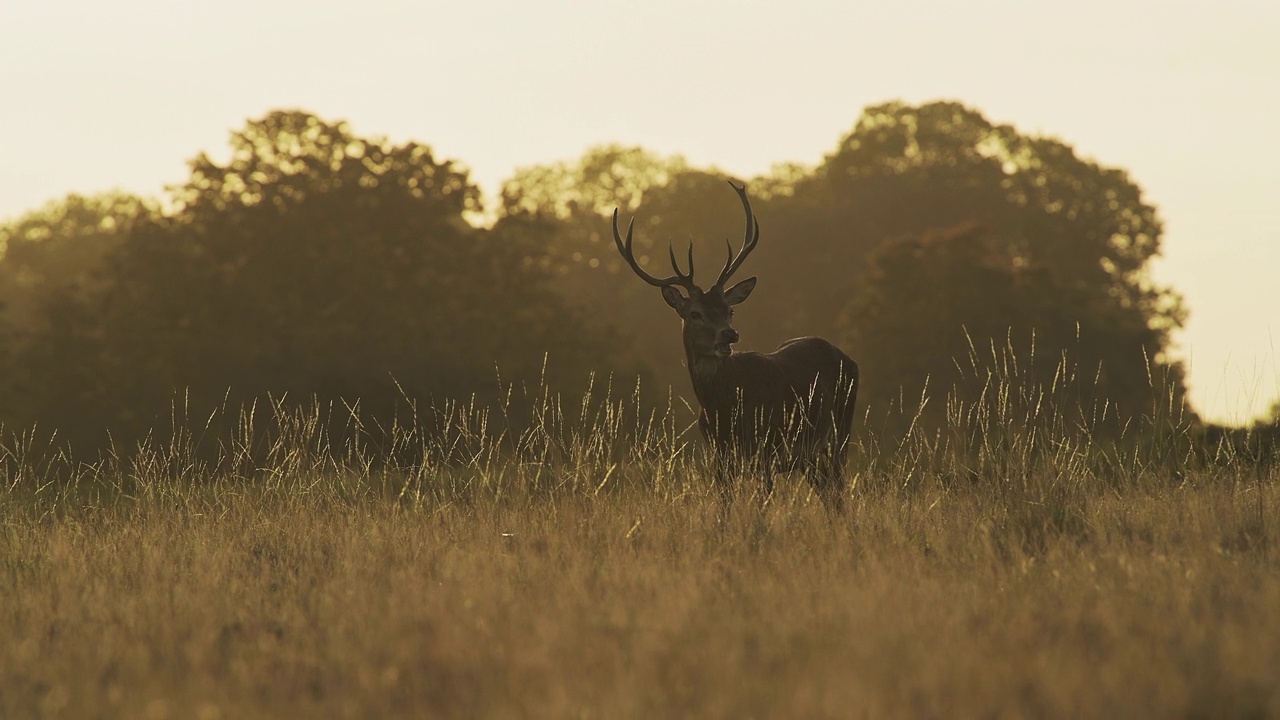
{"x": 1183, "y": 95}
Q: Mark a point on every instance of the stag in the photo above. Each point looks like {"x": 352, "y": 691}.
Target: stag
{"x": 790, "y": 409}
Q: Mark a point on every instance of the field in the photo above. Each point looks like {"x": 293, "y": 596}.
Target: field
{"x": 579, "y": 565}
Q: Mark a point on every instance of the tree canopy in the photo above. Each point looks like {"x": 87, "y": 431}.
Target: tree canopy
{"x": 979, "y": 234}
{"x": 929, "y": 231}
{"x": 315, "y": 263}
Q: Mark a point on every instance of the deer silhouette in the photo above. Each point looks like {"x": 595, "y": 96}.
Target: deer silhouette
{"x": 790, "y": 409}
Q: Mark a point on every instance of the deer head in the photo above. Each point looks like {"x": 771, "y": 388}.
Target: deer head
{"x": 707, "y": 314}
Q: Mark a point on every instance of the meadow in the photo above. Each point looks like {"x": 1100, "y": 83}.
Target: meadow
{"x": 574, "y": 561}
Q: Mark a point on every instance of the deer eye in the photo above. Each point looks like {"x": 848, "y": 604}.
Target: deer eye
{"x": 695, "y": 315}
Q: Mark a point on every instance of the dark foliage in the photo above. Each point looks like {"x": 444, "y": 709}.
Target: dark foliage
{"x": 930, "y": 242}
{"x": 316, "y": 264}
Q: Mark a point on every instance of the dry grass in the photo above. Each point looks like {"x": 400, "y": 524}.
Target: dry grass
{"x": 582, "y": 572}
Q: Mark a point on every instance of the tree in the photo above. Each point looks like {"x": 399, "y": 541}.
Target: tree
{"x": 927, "y": 229}
{"x": 51, "y": 271}
{"x": 570, "y": 206}
{"x": 981, "y": 234}
{"x": 606, "y": 177}
{"x": 57, "y": 252}
{"x": 314, "y": 264}
{"x": 319, "y": 262}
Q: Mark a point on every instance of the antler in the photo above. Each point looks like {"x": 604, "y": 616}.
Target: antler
{"x": 748, "y": 244}
{"x": 681, "y": 279}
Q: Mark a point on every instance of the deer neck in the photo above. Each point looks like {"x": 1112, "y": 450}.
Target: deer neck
{"x": 709, "y": 374}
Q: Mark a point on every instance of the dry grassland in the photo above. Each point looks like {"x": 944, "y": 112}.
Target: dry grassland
{"x": 588, "y": 577}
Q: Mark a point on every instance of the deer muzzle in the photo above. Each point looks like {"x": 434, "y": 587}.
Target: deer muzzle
{"x": 724, "y": 340}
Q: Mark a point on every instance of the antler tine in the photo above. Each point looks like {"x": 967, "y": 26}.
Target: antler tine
{"x": 675, "y": 266}
{"x": 749, "y": 241}
{"x": 625, "y": 250}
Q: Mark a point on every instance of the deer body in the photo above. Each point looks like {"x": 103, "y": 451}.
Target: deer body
{"x": 788, "y": 410}
{"x": 791, "y": 409}
{"x": 799, "y": 393}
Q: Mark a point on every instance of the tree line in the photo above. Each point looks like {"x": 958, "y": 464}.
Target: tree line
{"x": 935, "y": 246}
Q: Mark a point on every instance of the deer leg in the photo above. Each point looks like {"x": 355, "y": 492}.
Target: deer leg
{"x": 836, "y": 481}
{"x": 833, "y": 494}
{"x": 764, "y": 493}
{"x": 724, "y": 474}
{"x": 826, "y": 474}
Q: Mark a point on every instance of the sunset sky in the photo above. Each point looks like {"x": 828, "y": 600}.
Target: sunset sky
{"x": 1184, "y": 96}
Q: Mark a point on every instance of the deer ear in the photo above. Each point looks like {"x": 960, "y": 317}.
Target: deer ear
{"x": 675, "y": 299}
{"x": 739, "y": 292}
